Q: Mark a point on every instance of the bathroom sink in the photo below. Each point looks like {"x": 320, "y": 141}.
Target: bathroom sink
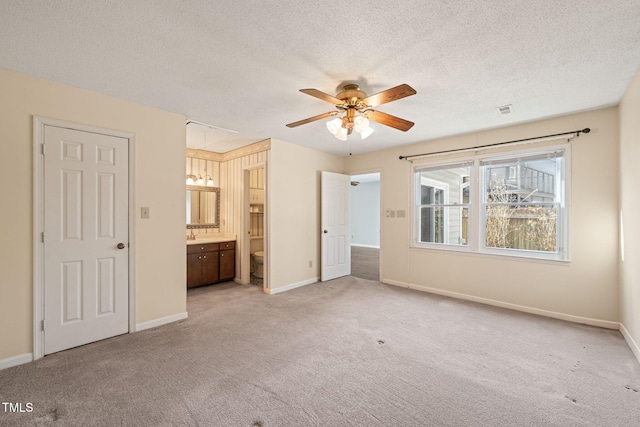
{"x": 212, "y": 238}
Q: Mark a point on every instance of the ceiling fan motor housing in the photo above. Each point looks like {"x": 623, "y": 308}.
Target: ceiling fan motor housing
{"x": 351, "y": 94}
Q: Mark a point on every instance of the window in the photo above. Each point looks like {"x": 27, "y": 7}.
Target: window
{"x": 519, "y": 209}
{"x": 442, "y": 209}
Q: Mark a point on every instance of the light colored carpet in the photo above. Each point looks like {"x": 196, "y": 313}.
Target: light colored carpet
{"x": 349, "y": 352}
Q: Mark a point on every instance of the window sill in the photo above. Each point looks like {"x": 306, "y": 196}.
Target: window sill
{"x": 497, "y": 254}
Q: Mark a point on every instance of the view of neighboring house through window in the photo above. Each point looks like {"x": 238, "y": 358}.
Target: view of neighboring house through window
{"x": 443, "y": 208}
{"x": 520, "y": 210}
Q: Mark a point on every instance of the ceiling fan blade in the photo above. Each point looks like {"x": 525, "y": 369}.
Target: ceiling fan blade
{"x": 389, "y": 120}
{"x": 312, "y": 119}
{"x": 389, "y": 95}
{"x": 321, "y": 95}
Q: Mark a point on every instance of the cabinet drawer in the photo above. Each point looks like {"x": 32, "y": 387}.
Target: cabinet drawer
{"x": 227, "y": 245}
{"x": 198, "y": 249}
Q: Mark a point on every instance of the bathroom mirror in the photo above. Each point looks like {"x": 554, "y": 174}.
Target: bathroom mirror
{"x": 203, "y": 207}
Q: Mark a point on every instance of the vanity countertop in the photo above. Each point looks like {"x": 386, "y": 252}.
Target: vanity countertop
{"x": 211, "y": 238}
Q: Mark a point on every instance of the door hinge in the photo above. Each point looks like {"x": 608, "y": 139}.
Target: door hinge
{"x": 42, "y": 325}
{"x": 42, "y": 237}
{"x": 42, "y": 148}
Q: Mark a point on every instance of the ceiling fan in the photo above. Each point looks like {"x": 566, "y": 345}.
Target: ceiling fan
{"x": 351, "y": 101}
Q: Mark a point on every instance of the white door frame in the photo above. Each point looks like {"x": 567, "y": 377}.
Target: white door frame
{"x": 245, "y": 255}
{"x": 39, "y": 124}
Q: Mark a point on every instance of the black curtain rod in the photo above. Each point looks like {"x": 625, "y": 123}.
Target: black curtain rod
{"x": 577, "y": 132}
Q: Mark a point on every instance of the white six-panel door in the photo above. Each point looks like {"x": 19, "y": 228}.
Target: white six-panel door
{"x": 85, "y": 237}
{"x": 336, "y": 226}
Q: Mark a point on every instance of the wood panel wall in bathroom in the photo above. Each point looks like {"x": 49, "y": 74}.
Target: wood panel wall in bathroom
{"x": 231, "y": 176}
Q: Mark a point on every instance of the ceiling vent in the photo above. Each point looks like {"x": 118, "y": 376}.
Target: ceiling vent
{"x": 505, "y": 109}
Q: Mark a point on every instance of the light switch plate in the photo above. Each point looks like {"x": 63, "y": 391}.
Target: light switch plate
{"x": 144, "y": 213}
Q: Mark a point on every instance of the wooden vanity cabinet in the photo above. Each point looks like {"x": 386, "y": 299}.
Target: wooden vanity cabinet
{"x": 227, "y": 260}
{"x": 202, "y": 264}
{"x": 210, "y": 263}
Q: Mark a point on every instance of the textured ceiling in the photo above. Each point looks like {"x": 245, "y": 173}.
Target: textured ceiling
{"x": 239, "y": 64}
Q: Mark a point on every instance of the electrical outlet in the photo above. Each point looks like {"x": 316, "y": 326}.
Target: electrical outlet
{"x": 310, "y": 263}
{"x": 402, "y": 213}
{"x": 144, "y": 213}
{"x": 392, "y": 213}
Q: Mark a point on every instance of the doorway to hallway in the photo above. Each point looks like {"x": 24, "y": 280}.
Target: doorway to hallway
{"x": 365, "y": 225}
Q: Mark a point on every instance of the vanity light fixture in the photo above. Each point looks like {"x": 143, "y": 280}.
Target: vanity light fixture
{"x": 200, "y": 179}
{"x": 191, "y": 178}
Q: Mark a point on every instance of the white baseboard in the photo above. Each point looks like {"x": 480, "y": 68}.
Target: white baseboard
{"x": 629, "y": 339}
{"x": 161, "y": 321}
{"x": 553, "y": 314}
{"x": 20, "y": 359}
{"x": 292, "y": 286}
{"x": 365, "y": 246}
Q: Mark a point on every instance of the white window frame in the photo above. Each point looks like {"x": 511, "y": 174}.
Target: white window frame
{"x": 477, "y": 210}
{"x": 415, "y": 240}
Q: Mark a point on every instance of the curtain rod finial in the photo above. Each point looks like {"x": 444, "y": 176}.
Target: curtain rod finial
{"x": 586, "y": 130}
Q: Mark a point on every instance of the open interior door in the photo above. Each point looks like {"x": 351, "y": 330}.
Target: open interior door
{"x": 336, "y": 226}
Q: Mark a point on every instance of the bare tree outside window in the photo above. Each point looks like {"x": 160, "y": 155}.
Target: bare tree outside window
{"x": 514, "y": 223}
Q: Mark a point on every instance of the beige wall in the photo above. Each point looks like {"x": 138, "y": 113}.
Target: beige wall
{"x": 587, "y": 287}
{"x": 293, "y": 193}
{"x": 630, "y": 210}
{"x": 160, "y": 265}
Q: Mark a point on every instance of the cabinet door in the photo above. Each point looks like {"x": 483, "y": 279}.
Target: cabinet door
{"x": 210, "y": 267}
{"x": 227, "y": 264}
{"x": 194, "y": 270}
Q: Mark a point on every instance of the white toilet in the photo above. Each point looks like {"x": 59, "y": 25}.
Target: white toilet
{"x": 258, "y": 257}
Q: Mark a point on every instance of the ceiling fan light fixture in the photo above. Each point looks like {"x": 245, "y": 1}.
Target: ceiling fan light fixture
{"x": 365, "y": 133}
{"x": 360, "y": 124}
{"x": 334, "y": 125}
{"x": 357, "y": 108}
{"x": 342, "y": 134}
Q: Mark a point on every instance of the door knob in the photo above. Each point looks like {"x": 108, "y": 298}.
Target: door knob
{"x": 120, "y": 245}
{"x": 325, "y": 231}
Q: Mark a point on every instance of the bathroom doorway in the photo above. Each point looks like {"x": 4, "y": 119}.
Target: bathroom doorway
{"x": 253, "y": 259}
{"x": 365, "y": 225}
